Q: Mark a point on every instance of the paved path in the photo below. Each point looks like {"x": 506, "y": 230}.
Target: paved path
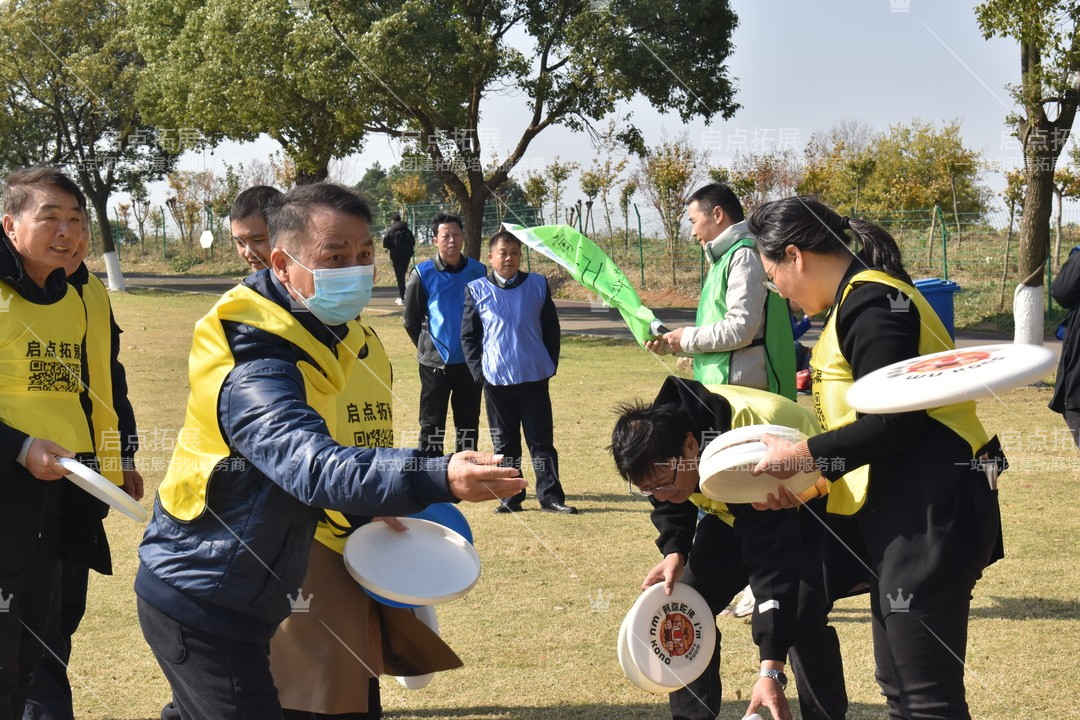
{"x": 577, "y": 318}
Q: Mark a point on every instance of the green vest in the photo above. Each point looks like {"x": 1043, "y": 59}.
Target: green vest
{"x": 715, "y": 368}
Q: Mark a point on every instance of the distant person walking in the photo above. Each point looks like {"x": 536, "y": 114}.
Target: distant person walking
{"x": 399, "y": 241}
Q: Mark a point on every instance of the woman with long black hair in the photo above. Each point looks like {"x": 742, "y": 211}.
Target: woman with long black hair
{"x": 912, "y": 507}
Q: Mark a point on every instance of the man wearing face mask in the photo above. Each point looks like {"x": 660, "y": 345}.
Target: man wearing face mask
{"x": 256, "y": 460}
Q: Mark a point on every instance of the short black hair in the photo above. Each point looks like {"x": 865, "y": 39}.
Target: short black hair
{"x": 253, "y": 201}
{"x": 396, "y": 218}
{"x": 709, "y": 196}
{"x": 504, "y": 236}
{"x": 290, "y": 213}
{"x": 646, "y": 436}
{"x": 20, "y": 184}
{"x": 442, "y": 219}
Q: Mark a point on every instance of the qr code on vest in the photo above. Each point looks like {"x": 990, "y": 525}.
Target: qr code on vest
{"x": 55, "y": 376}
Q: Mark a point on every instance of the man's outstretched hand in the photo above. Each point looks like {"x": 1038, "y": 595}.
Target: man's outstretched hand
{"x": 477, "y": 477}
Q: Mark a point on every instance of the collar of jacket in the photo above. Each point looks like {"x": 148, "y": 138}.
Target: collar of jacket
{"x": 13, "y": 273}
{"x": 715, "y": 248}
{"x": 443, "y": 266}
{"x": 266, "y": 284}
{"x": 519, "y": 277}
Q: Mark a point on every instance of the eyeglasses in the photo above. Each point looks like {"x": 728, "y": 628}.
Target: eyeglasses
{"x": 649, "y": 492}
{"x": 768, "y": 283}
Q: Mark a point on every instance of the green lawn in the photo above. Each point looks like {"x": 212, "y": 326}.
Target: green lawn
{"x": 532, "y": 645}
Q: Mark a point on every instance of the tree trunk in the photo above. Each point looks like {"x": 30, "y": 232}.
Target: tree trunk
{"x": 956, "y": 213}
{"x": 1005, "y": 265}
{"x": 1057, "y": 230}
{"x": 472, "y": 212}
{"x": 1034, "y": 244}
{"x": 100, "y": 201}
{"x": 304, "y": 177}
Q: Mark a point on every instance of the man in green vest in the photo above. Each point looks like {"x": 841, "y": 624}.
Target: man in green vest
{"x": 742, "y": 334}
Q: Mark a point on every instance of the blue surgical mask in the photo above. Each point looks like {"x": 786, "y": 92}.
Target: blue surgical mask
{"x": 341, "y": 294}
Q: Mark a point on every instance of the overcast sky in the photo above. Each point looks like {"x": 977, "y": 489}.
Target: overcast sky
{"x": 800, "y": 66}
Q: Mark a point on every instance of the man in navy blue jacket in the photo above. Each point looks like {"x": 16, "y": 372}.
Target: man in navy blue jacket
{"x": 235, "y": 516}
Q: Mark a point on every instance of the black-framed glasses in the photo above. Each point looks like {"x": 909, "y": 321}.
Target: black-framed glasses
{"x": 666, "y": 487}
{"x": 769, "y": 284}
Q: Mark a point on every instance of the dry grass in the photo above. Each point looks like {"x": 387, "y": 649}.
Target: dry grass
{"x": 533, "y": 648}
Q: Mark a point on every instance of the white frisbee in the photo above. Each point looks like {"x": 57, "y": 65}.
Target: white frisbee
{"x": 426, "y": 565}
{"x": 750, "y": 434}
{"x": 629, "y": 669}
{"x": 100, "y": 487}
{"x": 953, "y": 376}
{"x": 426, "y": 615}
{"x": 728, "y": 476}
{"x": 670, "y": 638}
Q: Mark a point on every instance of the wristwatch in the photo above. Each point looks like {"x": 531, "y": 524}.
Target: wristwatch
{"x": 776, "y": 675}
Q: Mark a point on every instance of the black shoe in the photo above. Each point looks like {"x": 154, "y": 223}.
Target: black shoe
{"x": 558, "y": 507}
{"x": 503, "y": 508}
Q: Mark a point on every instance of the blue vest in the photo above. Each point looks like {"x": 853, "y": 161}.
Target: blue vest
{"x": 514, "y": 350}
{"x": 446, "y": 305}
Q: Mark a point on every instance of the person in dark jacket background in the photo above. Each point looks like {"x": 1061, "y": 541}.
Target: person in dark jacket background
{"x": 255, "y": 462}
{"x": 510, "y": 335}
{"x": 1066, "y": 291}
{"x": 718, "y": 550}
{"x": 400, "y": 242}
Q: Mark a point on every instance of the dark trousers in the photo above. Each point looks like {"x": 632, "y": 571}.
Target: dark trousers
{"x": 400, "y": 262}
{"x": 28, "y": 595}
{"x": 919, "y": 655}
{"x": 451, "y": 386}
{"x": 526, "y": 407}
{"x": 716, "y": 570}
{"x": 1072, "y": 419}
{"x": 50, "y": 691}
{"x": 212, "y": 677}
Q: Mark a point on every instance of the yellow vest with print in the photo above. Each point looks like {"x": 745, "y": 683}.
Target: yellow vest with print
{"x": 99, "y": 367}
{"x": 365, "y": 412}
{"x": 832, "y": 377}
{"x": 41, "y": 369}
{"x": 200, "y": 446}
{"x": 750, "y": 406}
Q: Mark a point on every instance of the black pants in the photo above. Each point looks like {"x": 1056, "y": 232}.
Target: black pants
{"x": 1072, "y": 419}
{"x": 401, "y": 268}
{"x": 212, "y": 677}
{"x": 919, "y": 655}
{"x": 716, "y": 570}
{"x": 512, "y": 409}
{"x": 451, "y": 386}
{"x": 50, "y": 689}
{"x": 28, "y": 596}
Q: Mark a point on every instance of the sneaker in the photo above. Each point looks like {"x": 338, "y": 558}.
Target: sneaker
{"x": 746, "y": 603}
{"x": 399, "y": 301}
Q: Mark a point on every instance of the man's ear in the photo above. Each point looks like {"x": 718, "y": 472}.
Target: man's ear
{"x": 718, "y": 215}
{"x": 690, "y": 444}
{"x": 279, "y": 265}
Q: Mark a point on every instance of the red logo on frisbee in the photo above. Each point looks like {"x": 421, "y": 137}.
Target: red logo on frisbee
{"x": 677, "y": 634}
{"x": 948, "y": 362}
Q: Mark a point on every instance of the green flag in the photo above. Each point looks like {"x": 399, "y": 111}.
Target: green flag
{"x": 591, "y": 267}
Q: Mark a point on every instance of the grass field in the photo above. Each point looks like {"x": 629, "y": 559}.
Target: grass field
{"x": 534, "y": 649}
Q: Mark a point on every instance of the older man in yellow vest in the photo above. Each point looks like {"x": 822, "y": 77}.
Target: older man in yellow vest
{"x": 257, "y": 457}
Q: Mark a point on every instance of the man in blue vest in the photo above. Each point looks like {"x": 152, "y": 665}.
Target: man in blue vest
{"x": 434, "y": 301}
{"x": 510, "y": 334}
{"x": 742, "y": 334}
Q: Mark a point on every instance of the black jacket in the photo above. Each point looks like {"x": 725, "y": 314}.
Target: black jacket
{"x": 399, "y": 239}
{"x": 28, "y": 505}
{"x": 1066, "y": 292}
{"x": 769, "y": 540}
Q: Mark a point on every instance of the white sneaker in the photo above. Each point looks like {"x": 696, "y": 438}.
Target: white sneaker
{"x": 399, "y": 301}
{"x": 746, "y": 603}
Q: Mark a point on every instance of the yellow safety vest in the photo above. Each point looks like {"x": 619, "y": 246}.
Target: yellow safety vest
{"x": 365, "y": 412}
{"x": 107, "y": 438}
{"x": 200, "y": 446}
{"x": 41, "y": 369}
{"x": 832, "y": 377}
{"x": 750, "y": 406}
